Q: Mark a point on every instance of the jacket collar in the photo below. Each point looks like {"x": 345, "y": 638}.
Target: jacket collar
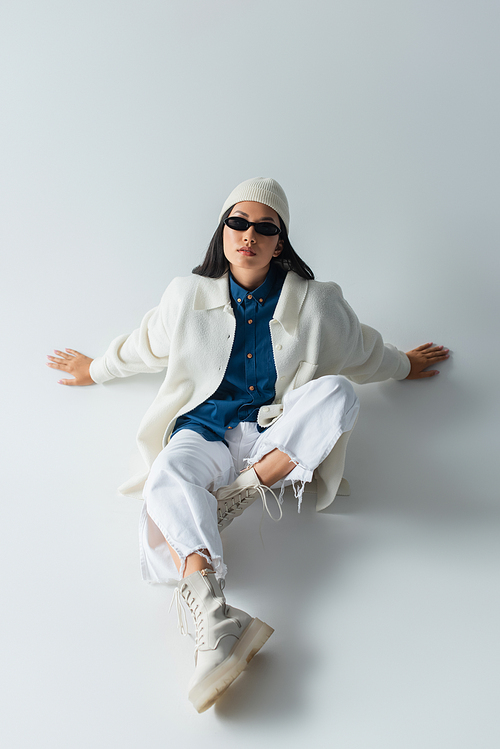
{"x": 214, "y": 292}
{"x": 290, "y": 302}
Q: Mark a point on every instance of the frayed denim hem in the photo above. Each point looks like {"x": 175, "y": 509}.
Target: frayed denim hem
{"x": 215, "y": 562}
{"x": 297, "y": 484}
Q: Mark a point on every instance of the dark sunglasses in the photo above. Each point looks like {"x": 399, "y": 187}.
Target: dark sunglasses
{"x": 241, "y": 224}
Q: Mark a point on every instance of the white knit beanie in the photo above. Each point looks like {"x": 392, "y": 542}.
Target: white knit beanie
{"x": 261, "y": 190}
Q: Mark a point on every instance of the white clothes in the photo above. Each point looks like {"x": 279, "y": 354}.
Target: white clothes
{"x": 314, "y": 332}
{"x": 180, "y": 505}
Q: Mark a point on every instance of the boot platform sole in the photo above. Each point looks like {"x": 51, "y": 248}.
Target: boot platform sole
{"x": 204, "y": 694}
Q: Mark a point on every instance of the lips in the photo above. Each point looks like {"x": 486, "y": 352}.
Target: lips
{"x": 245, "y": 251}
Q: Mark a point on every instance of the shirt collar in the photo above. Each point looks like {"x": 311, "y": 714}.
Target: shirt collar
{"x": 239, "y": 294}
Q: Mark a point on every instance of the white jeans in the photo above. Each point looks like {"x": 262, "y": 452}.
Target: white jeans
{"x": 179, "y": 502}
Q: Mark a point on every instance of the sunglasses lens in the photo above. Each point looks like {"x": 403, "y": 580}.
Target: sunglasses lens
{"x": 236, "y": 223}
{"x": 269, "y": 230}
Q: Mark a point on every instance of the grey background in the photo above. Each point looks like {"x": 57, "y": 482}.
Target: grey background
{"x": 124, "y": 127}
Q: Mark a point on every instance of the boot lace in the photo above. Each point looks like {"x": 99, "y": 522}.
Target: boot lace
{"x": 182, "y": 598}
{"x": 233, "y": 507}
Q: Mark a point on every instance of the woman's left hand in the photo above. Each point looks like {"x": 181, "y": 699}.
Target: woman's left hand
{"x": 425, "y": 356}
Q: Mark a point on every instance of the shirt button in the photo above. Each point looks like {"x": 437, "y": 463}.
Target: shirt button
{"x": 249, "y": 356}
{"x": 250, "y": 322}
{"x": 279, "y": 347}
{"x": 266, "y": 409}
{"x": 251, "y": 387}
{"x": 230, "y": 427}
{"x": 261, "y": 300}
{"x": 238, "y": 300}
{"x": 249, "y": 296}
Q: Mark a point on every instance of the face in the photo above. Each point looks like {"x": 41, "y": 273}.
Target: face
{"x": 248, "y": 250}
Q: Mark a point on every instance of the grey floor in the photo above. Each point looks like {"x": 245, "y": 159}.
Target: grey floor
{"x": 123, "y": 138}
{"x": 386, "y": 608}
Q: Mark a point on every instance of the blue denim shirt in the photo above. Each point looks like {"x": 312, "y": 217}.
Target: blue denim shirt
{"x": 249, "y": 381}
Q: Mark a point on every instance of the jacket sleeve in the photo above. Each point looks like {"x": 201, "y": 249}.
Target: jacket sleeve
{"x": 146, "y": 349}
{"x": 369, "y": 359}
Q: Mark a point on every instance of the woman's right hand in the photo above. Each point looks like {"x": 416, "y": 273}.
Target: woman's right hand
{"x": 75, "y": 364}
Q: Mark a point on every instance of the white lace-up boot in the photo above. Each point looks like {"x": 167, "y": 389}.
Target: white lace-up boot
{"x": 226, "y": 638}
{"x": 232, "y": 500}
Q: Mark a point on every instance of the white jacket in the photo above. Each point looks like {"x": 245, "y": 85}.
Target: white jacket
{"x": 314, "y": 332}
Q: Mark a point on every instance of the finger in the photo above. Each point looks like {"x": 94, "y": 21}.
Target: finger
{"x": 438, "y": 348}
{"x": 422, "y": 347}
{"x": 57, "y": 364}
{"x": 72, "y": 351}
{"x": 444, "y": 354}
{"x": 435, "y": 348}
{"x": 61, "y": 353}
{"x": 432, "y": 373}
{"x": 66, "y": 382}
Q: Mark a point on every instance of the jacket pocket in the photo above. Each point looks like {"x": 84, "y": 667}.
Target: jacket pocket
{"x": 305, "y": 373}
